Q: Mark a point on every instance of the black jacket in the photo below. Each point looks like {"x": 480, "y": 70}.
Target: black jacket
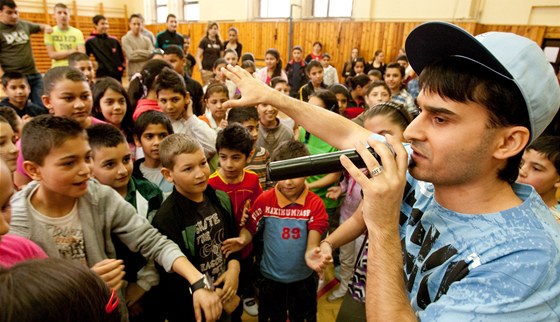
{"x": 108, "y": 54}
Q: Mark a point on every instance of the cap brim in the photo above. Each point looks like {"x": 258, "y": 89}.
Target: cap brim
{"x": 433, "y": 41}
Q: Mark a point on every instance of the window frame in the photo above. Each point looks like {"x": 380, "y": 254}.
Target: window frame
{"x": 260, "y": 16}
{"x": 187, "y": 3}
{"x": 329, "y": 16}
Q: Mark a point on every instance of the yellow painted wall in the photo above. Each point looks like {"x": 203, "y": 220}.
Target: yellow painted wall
{"x": 512, "y": 12}
{"x": 523, "y": 12}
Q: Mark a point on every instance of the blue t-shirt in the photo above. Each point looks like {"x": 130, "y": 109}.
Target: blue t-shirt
{"x": 501, "y": 266}
{"x": 286, "y": 227}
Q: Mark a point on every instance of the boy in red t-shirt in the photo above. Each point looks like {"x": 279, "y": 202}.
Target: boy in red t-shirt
{"x": 235, "y": 146}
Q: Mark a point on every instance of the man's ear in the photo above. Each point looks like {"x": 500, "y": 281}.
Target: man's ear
{"x": 47, "y": 102}
{"x": 557, "y": 183}
{"x": 167, "y": 174}
{"x": 33, "y": 170}
{"x": 511, "y": 141}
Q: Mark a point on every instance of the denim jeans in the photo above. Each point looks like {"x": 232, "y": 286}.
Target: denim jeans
{"x": 36, "y": 83}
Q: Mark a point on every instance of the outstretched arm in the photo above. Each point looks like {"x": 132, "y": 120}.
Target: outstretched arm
{"x": 236, "y": 244}
{"x": 340, "y": 132}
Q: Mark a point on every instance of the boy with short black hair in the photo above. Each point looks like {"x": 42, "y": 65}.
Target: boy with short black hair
{"x": 271, "y": 130}
{"x": 198, "y": 218}
{"x": 295, "y": 70}
{"x": 16, "y": 87}
{"x": 540, "y": 168}
{"x": 174, "y": 100}
{"x": 259, "y": 158}
{"x": 315, "y": 73}
{"x": 149, "y": 130}
{"x": 293, "y": 220}
{"x": 106, "y": 49}
{"x": 175, "y": 56}
{"x": 112, "y": 166}
{"x": 81, "y": 62}
{"x": 235, "y": 146}
{"x": 70, "y": 216}
{"x": 330, "y": 75}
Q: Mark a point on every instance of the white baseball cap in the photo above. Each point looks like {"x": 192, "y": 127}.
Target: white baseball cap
{"x": 511, "y": 56}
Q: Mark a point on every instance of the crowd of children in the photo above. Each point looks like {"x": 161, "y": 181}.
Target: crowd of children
{"x": 161, "y": 188}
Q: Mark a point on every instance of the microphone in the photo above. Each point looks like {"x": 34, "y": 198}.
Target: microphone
{"x": 315, "y": 164}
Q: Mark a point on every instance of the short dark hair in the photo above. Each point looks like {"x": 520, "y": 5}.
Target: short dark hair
{"x": 375, "y": 72}
{"x": 54, "y": 289}
{"x": 313, "y": 63}
{"x": 235, "y": 137}
{"x": 151, "y": 117}
{"x": 378, "y": 83}
{"x": 174, "y": 50}
{"x": 97, "y": 18}
{"x": 127, "y": 124}
{"x": 170, "y": 16}
{"x": 11, "y": 116}
{"x": 171, "y": 80}
{"x": 464, "y": 81}
{"x": 276, "y": 80}
{"x": 60, "y": 5}
{"x": 135, "y": 15}
{"x": 397, "y": 66}
{"x": 242, "y": 114}
{"x": 8, "y": 76}
{"x": 104, "y": 136}
{"x": 359, "y": 80}
{"x": 548, "y": 145}
{"x": 76, "y": 57}
{"x": 288, "y": 150}
{"x": 8, "y": 3}
{"x": 56, "y": 74}
{"x": 402, "y": 57}
{"x": 46, "y": 132}
{"x": 318, "y": 43}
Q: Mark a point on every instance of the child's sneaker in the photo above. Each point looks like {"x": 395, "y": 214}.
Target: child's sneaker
{"x": 336, "y": 294}
{"x": 250, "y": 306}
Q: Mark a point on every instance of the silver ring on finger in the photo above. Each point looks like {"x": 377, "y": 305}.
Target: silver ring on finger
{"x": 376, "y": 171}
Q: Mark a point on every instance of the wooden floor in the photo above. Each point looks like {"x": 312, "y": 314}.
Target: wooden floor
{"x": 326, "y": 311}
